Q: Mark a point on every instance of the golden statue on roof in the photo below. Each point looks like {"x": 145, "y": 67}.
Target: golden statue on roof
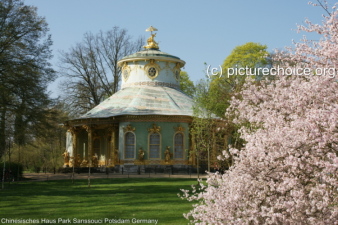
{"x": 152, "y": 44}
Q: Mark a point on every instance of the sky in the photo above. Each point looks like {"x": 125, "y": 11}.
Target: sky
{"x": 198, "y": 31}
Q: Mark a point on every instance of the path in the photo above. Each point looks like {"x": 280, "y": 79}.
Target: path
{"x": 63, "y": 176}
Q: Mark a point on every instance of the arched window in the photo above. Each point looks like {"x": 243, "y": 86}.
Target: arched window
{"x": 129, "y": 145}
{"x": 178, "y": 145}
{"x": 154, "y": 145}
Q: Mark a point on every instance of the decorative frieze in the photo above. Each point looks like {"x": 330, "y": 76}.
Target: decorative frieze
{"x": 155, "y": 118}
{"x": 152, "y": 83}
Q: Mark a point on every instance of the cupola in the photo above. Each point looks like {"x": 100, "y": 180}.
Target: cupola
{"x": 151, "y": 66}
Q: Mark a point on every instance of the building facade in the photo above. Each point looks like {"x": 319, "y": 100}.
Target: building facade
{"x": 145, "y": 124}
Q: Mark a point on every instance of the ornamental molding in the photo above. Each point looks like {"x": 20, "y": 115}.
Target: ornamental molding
{"x": 152, "y": 83}
{"x": 179, "y": 128}
{"x": 104, "y": 123}
{"x": 152, "y": 69}
{"x": 129, "y": 128}
{"x": 156, "y": 118}
{"x": 154, "y": 129}
{"x": 89, "y": 128}
{"x": 74, "y": 130}
{"x": 177, "y": 70}
{"x": 143, "y": 58}
{"x": 177, "y": 75}
{"x": 125, "y": 71}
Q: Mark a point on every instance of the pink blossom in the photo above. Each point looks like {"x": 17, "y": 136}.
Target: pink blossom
{"x": 287, "y": 173}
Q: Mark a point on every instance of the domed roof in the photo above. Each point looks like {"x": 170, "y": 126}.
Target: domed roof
{"x": 143, "y": 100}
{"x": 151, "y": 54}
{"x": 150, "y": 86}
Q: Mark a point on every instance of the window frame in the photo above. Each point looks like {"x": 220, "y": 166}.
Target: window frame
{"x": 159, "y": 145}
{"x": 125, "y": 145}
{"x": 174, "y": 144}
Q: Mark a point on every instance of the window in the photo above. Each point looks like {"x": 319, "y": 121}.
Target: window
{"x": 178, "y": 146}
{"x": 129, "y": 145}
{"x": 154, "y": 145}
{"x": 152, "y": 71}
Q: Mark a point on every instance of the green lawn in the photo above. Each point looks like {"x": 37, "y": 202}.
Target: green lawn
{"x": 118, "y": 200}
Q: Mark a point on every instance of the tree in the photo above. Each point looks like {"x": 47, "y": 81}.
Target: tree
{"x": 91, "y": 69}
{"x": 287, "y": 171}
{"x": 45, "y": 151}
{"x": 25, "y": 70}
{"x": 207, "y": 131}
{"x": 251, "y": 55}
{"x": 202, "y": 126}
{"x": 239, "y": 63}
{"x": 45, "y": 145}
{"x": 214, "y": 93}
{"x": 186, "y": 85}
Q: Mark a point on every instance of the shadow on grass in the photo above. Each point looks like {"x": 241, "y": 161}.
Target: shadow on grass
{"x": 122, "y": 198}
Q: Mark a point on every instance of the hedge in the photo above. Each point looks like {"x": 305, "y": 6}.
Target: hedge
{"x": 12, "y": 171}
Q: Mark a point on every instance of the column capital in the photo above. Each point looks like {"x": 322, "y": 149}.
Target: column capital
{"x": 73, "y": 130}
{"x": 89, "y": 128}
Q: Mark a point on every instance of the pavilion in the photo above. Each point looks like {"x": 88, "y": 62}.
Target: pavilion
{"x": 144, "y": 124}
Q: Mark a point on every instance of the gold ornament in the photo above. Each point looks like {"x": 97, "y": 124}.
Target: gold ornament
{"x": 152, "y": 44}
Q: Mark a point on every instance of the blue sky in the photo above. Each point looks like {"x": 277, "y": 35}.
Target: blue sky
{"x": 196, "y": 31}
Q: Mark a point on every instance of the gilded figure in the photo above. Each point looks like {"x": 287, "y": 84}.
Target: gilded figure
{"x": 84, "y": 163}
{"x": 95, "y": 161}
{"x": 151, "y": 42}
{"x": 71, "y": 161}
{"x": 66, "y": 158}
{"x": 167, "y": 154}
{"x": 77, "y": 161}
{"x": 116, "y": 156}
{"x": 141, "y": 154}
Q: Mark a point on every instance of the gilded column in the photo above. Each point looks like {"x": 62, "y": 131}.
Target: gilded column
{"x": 74, "y": 141}
{"x": 111, "y": 151}
{"x": 89, "y": 130}
{"x": 113, "y": 147}
{"x": 90, "y": 145}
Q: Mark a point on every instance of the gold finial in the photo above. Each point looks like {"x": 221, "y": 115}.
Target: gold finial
{"x": 152, "y": 44}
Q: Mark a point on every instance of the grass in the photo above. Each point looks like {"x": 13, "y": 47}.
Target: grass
{"x": 122, "y": 198}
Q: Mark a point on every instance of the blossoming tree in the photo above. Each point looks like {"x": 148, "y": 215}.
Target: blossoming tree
{"x": 287, "y": 172}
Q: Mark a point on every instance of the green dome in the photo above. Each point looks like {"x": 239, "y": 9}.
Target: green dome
{"x": 145, "y": 100}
